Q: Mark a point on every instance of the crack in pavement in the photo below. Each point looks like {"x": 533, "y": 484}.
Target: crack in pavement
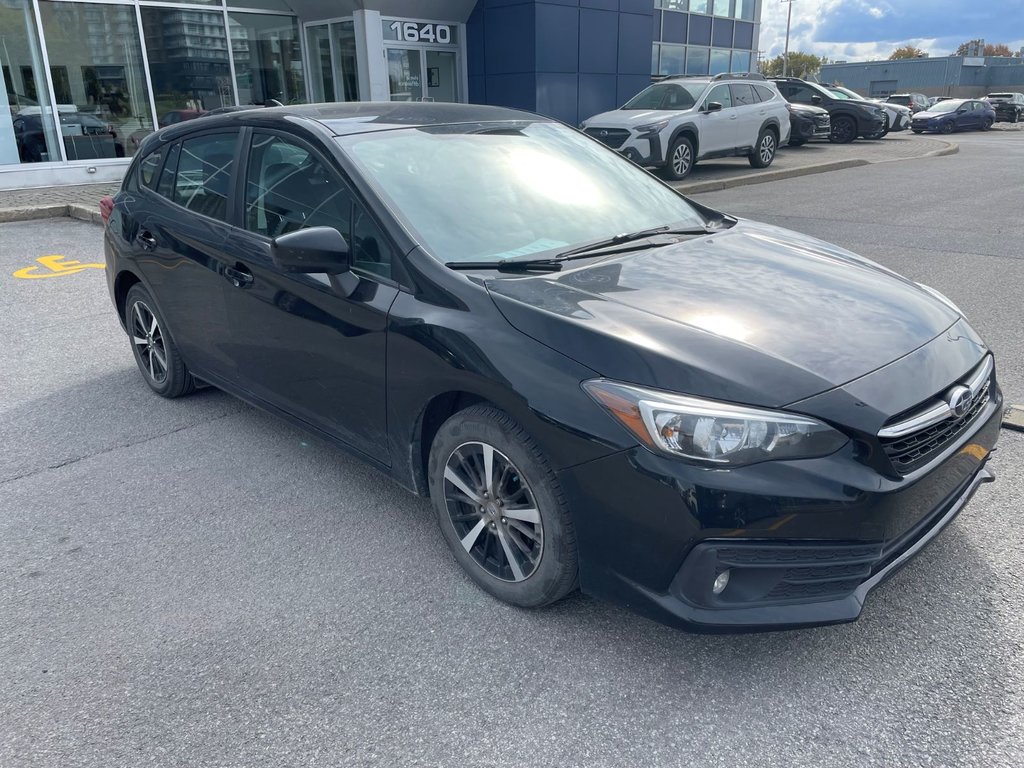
{"x": 119, "y": 446}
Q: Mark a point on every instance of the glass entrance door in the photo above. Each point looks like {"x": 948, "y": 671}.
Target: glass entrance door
{"x": 423, "y": 74}
{"x": 332, "y": 61}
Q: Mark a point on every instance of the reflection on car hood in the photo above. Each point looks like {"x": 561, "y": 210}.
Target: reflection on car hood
{"x": 627, "y": 118}
{"x": 756, "y": 314}
{"x": 809, "y": 109}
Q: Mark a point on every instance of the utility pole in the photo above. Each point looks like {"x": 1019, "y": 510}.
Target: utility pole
{"x": 785, "y": 57}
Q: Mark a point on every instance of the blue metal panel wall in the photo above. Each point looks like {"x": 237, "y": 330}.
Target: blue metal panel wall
{"x": 933, "y": 76}
{"x": 568, "y": 59}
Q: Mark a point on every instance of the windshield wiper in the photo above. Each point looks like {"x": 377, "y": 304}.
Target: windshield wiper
{"x": 630, "y": 237}
{"x": 515, "y": 264}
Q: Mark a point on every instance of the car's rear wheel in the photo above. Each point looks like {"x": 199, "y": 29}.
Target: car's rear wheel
{"x": 500, "y": 508}
{"x": 844, "y": 130}
{"x": 947, "y": 127}
{"x": 988, "y": 124}
{"x": 1015, "y": 117}
{"x": 764, "y": 152}
{"x": 155, "y": 352}
{"x": 680, "y": 159}
{"x": 917, "y": 130}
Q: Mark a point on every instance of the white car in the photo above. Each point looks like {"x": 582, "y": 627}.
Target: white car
{"x": 676, "y": 122}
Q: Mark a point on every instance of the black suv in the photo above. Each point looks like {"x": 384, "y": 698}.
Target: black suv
{"x": 850, "y": 118}
{"x": 1008, "y": 106}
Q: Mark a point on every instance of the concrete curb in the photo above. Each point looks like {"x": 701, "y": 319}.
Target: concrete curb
{"x": 1013, "y": 418}
{"x": 766, "y": 176}
{"x": 30, "y": 214}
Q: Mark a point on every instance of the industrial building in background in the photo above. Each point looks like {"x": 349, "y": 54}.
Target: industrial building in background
{"x": 956, "y": 76}
{"x": 85, "y": 82}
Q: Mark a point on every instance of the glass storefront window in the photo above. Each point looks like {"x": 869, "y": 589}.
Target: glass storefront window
{"x": 673, "y": 59}
{"x": 672, "y": 5}
{"x": 405, "y": 75}
{"x": 719, "y": 61}
{"x": 321, "y": 70}
{"x": 344, "y": 34}
{"x": 655, "y": 50}
{"x": 744, "y": 9}
{"x": 700, "y": 6}
{"x": 723, "y": 7}
{"x": 696, "y": 61}
{"x": 188, "y": 62}
{"x": 332, "y": 61}
{"x": 268, "y": 59}
{"x": 96, "y": 49}
{"x": 27, "y": 130}
{"x": 740, "y": 61}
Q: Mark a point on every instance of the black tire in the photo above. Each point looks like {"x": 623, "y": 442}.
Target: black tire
{"x": 797, "y": 142}
{"x": 947, "y": 127}
{"x": 844, "y": 130}
{"x": 917, "y": 130}
{"x": 988, "y": 124}
{"x": 678, "y": 168}
{"x": 1015, "y": 117}
{"x": 152, "y": 343}
{"x": 458, "y": 446}
{"x": 763, "y": 153}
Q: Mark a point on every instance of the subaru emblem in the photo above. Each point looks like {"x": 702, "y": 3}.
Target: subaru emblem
{"x": 959, "y": 400}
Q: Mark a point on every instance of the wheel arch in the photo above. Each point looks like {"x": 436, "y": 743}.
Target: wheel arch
{"x": 435, "y": 412}
{"x": 690, "y": 131}
{"x": 122, "y": 284}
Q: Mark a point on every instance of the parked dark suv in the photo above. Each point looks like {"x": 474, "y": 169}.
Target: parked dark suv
{"x": 849, "y": 118}
{"x": 1008, "y": 106}
{"x": 917, "y": 102}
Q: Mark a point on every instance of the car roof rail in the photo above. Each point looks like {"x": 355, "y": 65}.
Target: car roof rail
{"x": 739, "y": 76}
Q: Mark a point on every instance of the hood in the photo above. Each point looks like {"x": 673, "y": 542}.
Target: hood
{"x": 808, "y": 109}
{"x": 928, "y": 115}
{"x": 755, "y": 314}
{"x": 629, "y": 118}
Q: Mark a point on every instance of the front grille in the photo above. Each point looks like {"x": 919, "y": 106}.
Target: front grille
{"x": 913, "y": 451}
{"x": 822, "y": 120}
{"x": 613, "y": 137}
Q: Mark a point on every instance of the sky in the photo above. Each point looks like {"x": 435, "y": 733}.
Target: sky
{"x": 872, "y": 29}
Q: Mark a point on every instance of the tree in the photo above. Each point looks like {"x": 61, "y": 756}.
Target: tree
{"x": 995, "y": 49}
{"x": 800, "y": 65}
{"x": 907, "y": 52}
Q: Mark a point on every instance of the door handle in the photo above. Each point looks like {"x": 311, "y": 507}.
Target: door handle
{"x": 146, "y": 240}
{"x": 239, "y": 276}
{"x": 732, "y": 117}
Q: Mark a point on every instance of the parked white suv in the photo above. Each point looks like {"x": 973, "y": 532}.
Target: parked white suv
{"x": 676, "y": 122}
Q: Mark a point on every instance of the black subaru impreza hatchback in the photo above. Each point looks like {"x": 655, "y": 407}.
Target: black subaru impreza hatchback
{"x": 599, "y": 383}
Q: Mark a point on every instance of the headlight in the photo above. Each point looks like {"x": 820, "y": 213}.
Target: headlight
{"x": 651, "y": 127}
{"x": 711, "y": 432}
{"x": 583, "y": 125}
{"x": 943, "y": 298}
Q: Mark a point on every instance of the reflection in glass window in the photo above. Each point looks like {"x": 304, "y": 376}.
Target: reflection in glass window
{"x": 204, "y": 174}
{"x": 696, "y": 61}
{"x": 188, "y": 62}
{"x": 268, "y": 60}
{"x": 744, "y": 9}
{"x": 719, "y": 61}
{"x": 723, "y": 7}
{"x": 740, "y": 61}
{"x": 97, "y": 47}
{"x": 700, "y": 6}
{"x": 673, "y": 59}
{"x": 654, "y": 59}
{"x": 27, "y": 130}
{"x": 673, "y": 5}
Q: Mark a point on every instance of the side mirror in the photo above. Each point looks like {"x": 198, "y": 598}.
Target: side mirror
{"x": 815, "y": 99}
{"x": 320, "y": 250}
{"x": 713, "y": 106}
{"x": 316, "y": 249}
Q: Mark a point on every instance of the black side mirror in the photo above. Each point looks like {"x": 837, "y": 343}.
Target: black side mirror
{"x": 713, "y": 106}
{"x": 320, "y": 250}
{"x": 815, "y": 99}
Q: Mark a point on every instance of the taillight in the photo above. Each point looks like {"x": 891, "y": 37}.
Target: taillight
{"x": 106, "y": 207}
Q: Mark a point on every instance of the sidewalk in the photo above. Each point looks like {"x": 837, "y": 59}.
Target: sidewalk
{"x": 83, "y": 202}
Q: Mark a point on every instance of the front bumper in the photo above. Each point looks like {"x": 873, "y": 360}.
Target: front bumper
{"x": 643, "y": 149}
{"x": 805, "y": 541}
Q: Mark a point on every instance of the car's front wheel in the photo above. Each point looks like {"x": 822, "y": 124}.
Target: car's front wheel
{"x": 680, "y": 159}
{"x": 947, "y": 127}
{"x": 844, "y": 130}
{"x": 500, "y": 508}
{"x": 764, "y": 152}
{"x": 797, "y": 142}
{"x": 155, "y": 351}
{"x": 1015, "y": 117}
{"x": 917, "y": 130}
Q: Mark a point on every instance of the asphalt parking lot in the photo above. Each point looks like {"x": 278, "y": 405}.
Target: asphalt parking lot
{"x": 196, "y": 583}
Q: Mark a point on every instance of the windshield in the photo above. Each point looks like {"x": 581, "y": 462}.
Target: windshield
{"x": 667, "y": 96}
{"x": 945, "y": 106}
{"x": 490, "y": 192}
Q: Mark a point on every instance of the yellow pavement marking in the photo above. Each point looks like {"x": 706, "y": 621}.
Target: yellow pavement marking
{"x": 57, "y": 265}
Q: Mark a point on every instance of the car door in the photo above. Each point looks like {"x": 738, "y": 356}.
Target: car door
{"x": 180, "y": 245}
{"x": 971, "y": 117}
{"x": 302, "y": 345}
{"x": 749, "y": 111}
{"x": 719, "y": 131}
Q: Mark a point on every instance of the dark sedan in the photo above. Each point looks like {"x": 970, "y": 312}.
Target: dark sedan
{"x": 598, "y": 383}
{"x": 954, "y": 115}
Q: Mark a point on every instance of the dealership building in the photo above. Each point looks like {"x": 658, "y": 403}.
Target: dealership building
{"x": 963, "y": 77}
{"x": 84, "y": 82}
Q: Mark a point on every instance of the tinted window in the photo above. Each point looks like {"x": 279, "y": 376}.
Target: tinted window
{"x": 765, "y": 93}
{"x": 370, "y": 250}
{"x": 149, "y": 167}
{"x": 719, "y": 93}
{"x": 742, "y": 95}
{"x": 205, "y": 165}
{"x": 289, "y": 188}
{"x": 800, "y": 94}
{"x": 165, "y": 186}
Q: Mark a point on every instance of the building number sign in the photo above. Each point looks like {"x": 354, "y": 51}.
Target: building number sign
{"x": 418, "y": 32}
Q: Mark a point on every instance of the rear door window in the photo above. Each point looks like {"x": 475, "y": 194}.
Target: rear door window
{"x": 203, "y": 178}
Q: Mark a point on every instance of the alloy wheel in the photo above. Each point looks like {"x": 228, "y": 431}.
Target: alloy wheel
{"x": 681, "y": 160}
{"x": 493, "y": 511}
{"x": 767, "y": 148}
{"x": 149, "y": 342}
